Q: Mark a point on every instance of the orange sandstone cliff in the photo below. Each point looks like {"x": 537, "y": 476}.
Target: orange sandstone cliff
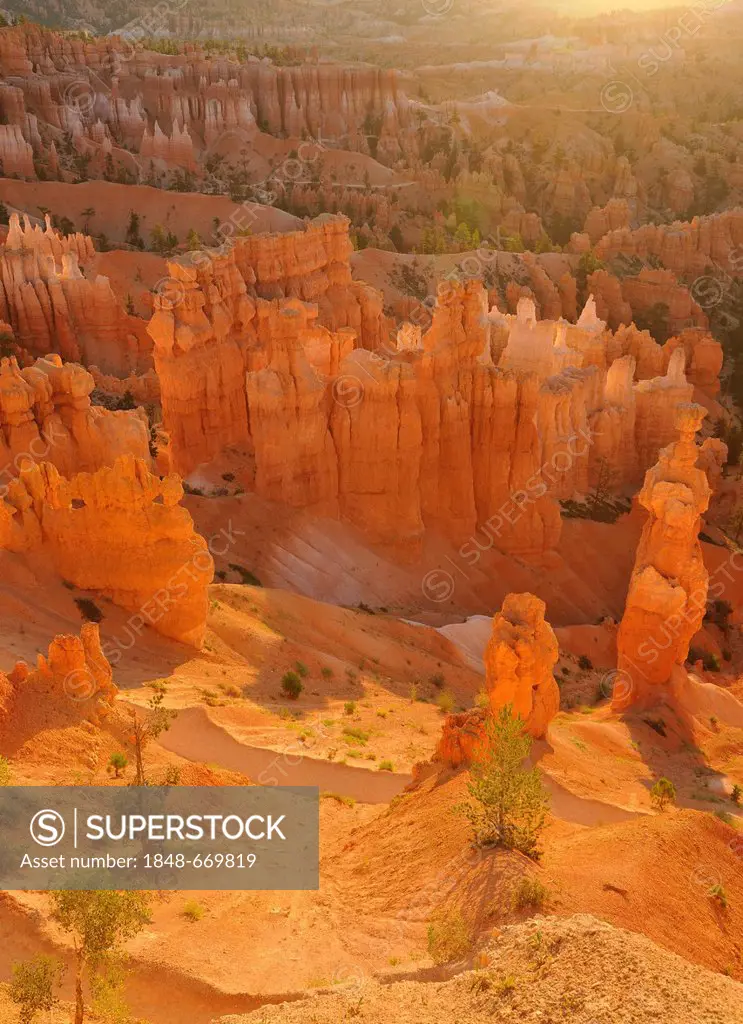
{"x": 120, "y": 531}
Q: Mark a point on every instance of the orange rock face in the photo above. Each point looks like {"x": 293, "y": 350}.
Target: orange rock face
{"x": 668, "y": 589}
{"x": 685, "y": 247}
{"x": 704, "y": 358}
{"x": 53, "y": 308}
{"x": 46, "y": 416}
{"x": 75, "y": 671}
{"x": 120, "y": 531}
{"x": 77, "y": 668}
{"x": 519, "y": 660}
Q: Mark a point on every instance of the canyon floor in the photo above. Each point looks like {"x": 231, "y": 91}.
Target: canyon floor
{"x": 370, "y": 711}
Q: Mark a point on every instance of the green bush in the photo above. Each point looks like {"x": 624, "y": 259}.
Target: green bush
{"x": 663, "y": 793}
{"x": 386, "y": 766}
{"x": 530, "y": 892}
{"x": 585, "y": 663}
{"x": 445, "y": 701}
{"x": 193, "y": 911}
{"x": 118, "y": 763}
{"x": 449, "y": 937}
{"x": 291, "y": 685}
{"x": 509, "y": 803}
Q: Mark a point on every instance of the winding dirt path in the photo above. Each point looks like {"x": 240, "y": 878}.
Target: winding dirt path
{"x": 196, "y": 737}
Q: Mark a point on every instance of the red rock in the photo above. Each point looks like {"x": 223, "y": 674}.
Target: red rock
{"x": 667, "y": 594}
{"x": 119, "y": 531}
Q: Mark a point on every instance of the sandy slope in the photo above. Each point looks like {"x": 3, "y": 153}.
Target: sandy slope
{"x": 111, "y": 202}
{"x": 576, "y": 968}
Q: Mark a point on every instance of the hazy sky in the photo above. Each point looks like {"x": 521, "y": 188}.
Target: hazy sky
{"x": 593, "y": 6}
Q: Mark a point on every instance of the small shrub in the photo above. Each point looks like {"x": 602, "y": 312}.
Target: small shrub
{"x": 717, "y": 892}
{"x": 349, "y": 708}
{"x": 89, "y": 609}
{"x": 302, "y": 669}
{"x": 193, "y": 911}
{"x": 326, "y": 672}
{"x": 355, "y": 737}
{"x": 247, "y": 578}
{"x": 585, "y": 663}
{"x": 33, "y": 985}
{"x": 445, "y": 702}
{"x": 386, "y": 766}
{"x": 5, "y": 772}
{"x": 736, "y": 795}
{"x": 347, "y": 801}
{"x": 438, "y": 680}
{"x": 663, "y": 793}
{"x": 172, "y": 775}
{"x": 505, "y": 986}
{"x": 118, "y": 762}
{"x": 482, "y": 700}
{"x": 449, "y": 937}
{"x": 291, "y": 685}
{"x": 710, "y": 662}
{"x": 530, "y": 893}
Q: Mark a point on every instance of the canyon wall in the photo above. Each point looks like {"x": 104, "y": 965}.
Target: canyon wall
{"x": 52, "y": 307}
{"x": 119, "y": 531}
{"x": 46, "y": 416}
{"x": 483, "y": 423}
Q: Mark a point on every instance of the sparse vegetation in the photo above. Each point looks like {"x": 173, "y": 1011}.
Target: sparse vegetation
{"x": 148, "y": 727}
{"x": 355, "y": 737}
{"x": 449, "y": 937}
{"x": 193, "y": 911}
{"x": 386, "y": 766}
{"x": 445, "y": 701}
{"x": 349, "y": 708}
{"x": 663, "y": 793}
{"x": 291, "y": 685}
{"x": 509, "y": 803}
{"x": 33, "y": 986}
{"x": 530, "y": 893}
{"x": 118, "y": 763}
{"x": 585, "y": 663}
{"x": 99, "y": 923}
{"x": 89, "y": 609}
{"x": 340, "y": 798}
{"x": 717, "y": 892}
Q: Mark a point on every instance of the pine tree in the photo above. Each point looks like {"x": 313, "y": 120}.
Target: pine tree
{"x": 509, "y": 803}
